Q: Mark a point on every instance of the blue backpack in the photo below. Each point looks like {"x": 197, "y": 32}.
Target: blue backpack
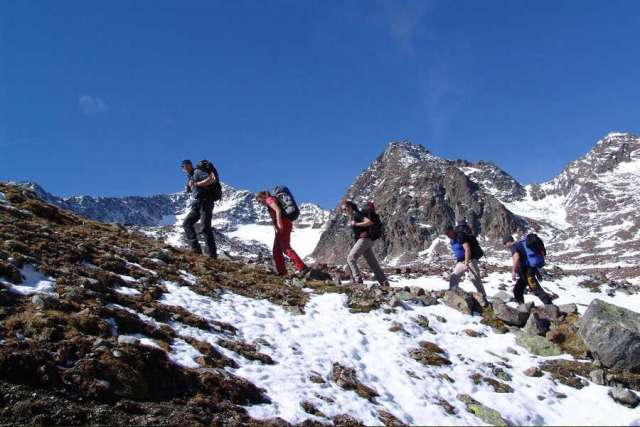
{"x": 458, "y": 250}
{"x": 535, "y": 250}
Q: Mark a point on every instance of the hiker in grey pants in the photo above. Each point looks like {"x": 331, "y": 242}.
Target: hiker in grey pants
{"x": 474, "y": 271}
{"x": 466, "y": 250}
{"x": 362, "y": 224}
{"x": 364, "y": 247}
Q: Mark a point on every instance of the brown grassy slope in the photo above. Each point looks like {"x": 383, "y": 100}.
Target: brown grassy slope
{"x": 60, "y": 362}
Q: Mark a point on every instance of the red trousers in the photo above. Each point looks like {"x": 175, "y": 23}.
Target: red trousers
{"x": 282, "y": 246}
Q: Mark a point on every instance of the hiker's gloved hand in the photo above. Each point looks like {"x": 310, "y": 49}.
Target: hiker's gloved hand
{"x": 513, "y": 276}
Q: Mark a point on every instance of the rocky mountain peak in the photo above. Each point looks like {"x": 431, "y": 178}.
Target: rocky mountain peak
{"x": 405, "y": 153}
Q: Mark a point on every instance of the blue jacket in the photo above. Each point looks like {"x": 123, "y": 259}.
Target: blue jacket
{"x": 458, "y": 249}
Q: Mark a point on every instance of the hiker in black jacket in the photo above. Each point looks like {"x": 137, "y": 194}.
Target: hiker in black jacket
{"x": 200, "y": 208}
{"x": 362, "y": 225}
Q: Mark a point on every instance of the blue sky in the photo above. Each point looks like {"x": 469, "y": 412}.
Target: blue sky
{"x": 106, "y": 98}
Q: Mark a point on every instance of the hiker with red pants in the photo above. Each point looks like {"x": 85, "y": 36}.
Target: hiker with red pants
{"x": 282, "y": 242}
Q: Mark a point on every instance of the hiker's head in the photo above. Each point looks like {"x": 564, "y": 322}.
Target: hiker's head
{"x": 349, "y": 207}
{"x": 508, "y": 240}
{"x": 187, "y": 166}
{"x": 261, "y": 196}
{"x": 450, "y": 232}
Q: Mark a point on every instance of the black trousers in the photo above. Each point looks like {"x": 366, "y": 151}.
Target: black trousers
{"x": 200, "y": 209}
{"x": 528, "y": 278}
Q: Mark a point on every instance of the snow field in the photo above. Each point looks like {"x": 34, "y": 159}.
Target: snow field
{"x": 309, "y": 344}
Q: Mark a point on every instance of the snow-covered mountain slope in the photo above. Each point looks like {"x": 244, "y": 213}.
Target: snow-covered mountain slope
{"x": 244, "y": 225}
{"x": 590, "y": 211}
{"x": 492, "y": 179}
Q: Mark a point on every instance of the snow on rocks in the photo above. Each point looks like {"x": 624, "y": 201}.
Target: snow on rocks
{"x": 32, "y": 282}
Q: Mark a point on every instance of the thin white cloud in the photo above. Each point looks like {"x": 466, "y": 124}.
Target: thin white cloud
{"x": 404, "y": 20}
{"x": 91, "y": 105}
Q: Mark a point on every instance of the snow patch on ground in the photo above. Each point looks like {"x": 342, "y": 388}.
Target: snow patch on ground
{"x": 127, "y": 291}
{"x": 33, "y": 282}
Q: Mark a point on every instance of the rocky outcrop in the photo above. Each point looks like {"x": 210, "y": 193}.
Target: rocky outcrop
{"x": 612, "y": 334}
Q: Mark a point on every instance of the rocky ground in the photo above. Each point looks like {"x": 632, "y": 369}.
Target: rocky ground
{"x": 93, "y": 332}
{"x": 66, "y": 357}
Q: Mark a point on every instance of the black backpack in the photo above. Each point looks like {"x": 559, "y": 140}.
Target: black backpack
{"x": 287, "y": 202}
{"x": 214, "y": 192}
{"x": 376, "y": 230}
{"x": 476, "y": 250}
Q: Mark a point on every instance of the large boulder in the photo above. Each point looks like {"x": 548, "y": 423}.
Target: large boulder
{"x": 612, "y": 334}
{"x": 461, "y": 301}
{"x": 510, "y": 315}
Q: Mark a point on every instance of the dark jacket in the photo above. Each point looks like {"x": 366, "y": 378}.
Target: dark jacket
{"x": 196, "y": 176}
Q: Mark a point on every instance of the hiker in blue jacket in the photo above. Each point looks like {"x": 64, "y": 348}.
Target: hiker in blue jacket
{"x": 524, "y": 270}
